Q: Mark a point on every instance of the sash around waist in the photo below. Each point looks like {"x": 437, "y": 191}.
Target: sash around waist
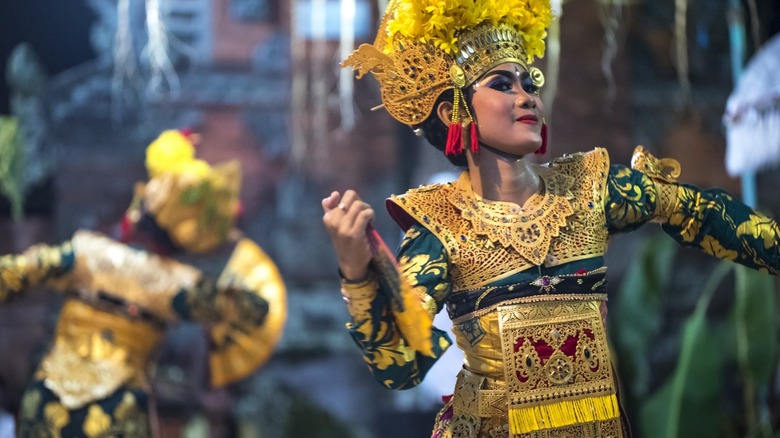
{"x": 462, "y": 305}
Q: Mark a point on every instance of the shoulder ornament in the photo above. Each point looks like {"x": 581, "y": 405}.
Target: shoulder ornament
{"x": 664, "y": 173}
{"x": 664, "y": 169}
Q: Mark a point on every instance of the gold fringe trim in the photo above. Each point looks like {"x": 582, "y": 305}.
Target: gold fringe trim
{"x": 563, "y": 413}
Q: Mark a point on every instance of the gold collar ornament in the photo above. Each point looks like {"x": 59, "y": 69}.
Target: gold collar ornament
{"x": 528, "y": 229}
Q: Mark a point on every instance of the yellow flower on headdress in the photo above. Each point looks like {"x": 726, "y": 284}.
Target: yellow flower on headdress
{"x": 197, "y": 169}
{"x": 439, "y": 22}
{"x": 172, "y": 151}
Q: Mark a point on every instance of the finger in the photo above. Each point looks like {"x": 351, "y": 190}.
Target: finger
{"x": 349, "y": 198}
{"x": 331, "y": 201}
{"x": 347, "y": 225}
{"x": 363, "y": 215}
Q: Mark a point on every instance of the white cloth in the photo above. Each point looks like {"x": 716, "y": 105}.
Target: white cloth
{"x": 6, "y": 425}
{"x": 752, "y": 117}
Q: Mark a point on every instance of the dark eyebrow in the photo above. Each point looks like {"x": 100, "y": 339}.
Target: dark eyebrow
{"x": 506, "y": 73}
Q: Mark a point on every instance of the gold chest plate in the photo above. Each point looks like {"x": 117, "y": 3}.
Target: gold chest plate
{"x": 488, "y": 241}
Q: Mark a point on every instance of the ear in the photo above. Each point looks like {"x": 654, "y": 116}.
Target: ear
{"x": 444, "y": 111}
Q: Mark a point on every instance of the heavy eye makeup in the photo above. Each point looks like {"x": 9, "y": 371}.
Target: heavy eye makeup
{"x": 528, "y": 84}
{"x": 502, "y": 80}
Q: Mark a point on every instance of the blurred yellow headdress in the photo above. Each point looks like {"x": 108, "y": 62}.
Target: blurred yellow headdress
{"x": 424, "y": 47}
{"x": 195, "y": 203}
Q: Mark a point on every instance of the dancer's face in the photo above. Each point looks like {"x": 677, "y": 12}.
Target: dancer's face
{"x": 508, "y": 109}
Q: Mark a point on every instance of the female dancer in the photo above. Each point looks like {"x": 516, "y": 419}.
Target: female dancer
{"x": 512, "y": 249}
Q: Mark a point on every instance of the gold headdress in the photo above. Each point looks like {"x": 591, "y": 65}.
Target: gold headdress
{"x": 195, "y": 203}
{"x": 425, "y": 47}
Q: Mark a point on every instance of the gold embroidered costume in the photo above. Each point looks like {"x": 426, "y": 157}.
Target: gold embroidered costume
{"x": 536, "y": 358}
{"x": 525, "y": 285}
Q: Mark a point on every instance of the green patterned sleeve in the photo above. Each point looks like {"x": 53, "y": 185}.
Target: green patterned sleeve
{"x": 393, "y": 363}
{"x": 724, "y": 227}
{"x": 710, "y": 220}
{"x": 35, "y": 266}
{"x": 204, "y": 302}
{"x": 631, "y": 199}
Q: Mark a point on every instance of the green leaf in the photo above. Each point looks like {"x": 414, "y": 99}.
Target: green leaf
{"x": 756, "y": 321}
{"x": 696, "y": 378}
{"x": 701, "y": 419}
{"x": 756, "y": 329}
{"x": 638, "y": 310}
{"x": 12, "y": 165}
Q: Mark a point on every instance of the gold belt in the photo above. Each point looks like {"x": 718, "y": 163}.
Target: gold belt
{"x": 479, "y": 396}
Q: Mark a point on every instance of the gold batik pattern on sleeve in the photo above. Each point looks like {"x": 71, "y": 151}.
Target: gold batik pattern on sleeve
{"x": 712, "y": 220}
{"x": 767, "y": 233}
{"x": 36, "y": 264}
{"x": 634, "y": 198}
{"x": 385, "y": 347}
{"x": 420, "y": 265}
{"x": 393, "y": 362}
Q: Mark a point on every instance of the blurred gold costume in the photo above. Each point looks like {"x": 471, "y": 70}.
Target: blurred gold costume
{"x": 121, "y": 298}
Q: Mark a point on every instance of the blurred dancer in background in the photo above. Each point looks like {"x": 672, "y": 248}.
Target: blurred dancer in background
{"x": 122, "y": 294}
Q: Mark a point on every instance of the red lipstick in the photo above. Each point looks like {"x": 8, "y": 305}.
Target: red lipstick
{"x": 528, "y": 119}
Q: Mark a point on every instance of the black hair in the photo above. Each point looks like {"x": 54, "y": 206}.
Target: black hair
{"x": 435, "y": 130}
{"x": 148, "y": 227}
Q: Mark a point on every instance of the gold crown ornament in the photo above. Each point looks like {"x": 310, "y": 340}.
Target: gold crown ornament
{"x": 195, "y": 203}
{"x": 424, "y": 47}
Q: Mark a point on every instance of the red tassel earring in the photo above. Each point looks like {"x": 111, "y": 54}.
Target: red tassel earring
{"x": 472, "y": 132}
{"x": 474, "y": 137}
{"x": 454, "y": 144}
{"x": 543, "y": 148}
{"x": 454, "y": 139}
